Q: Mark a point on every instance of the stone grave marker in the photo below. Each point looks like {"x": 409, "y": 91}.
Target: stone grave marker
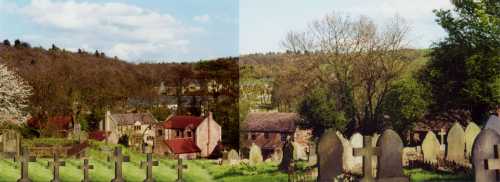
{"x": 288, "y": 150}
{"x": 277, "y": 156}
{"x": 11, "y": 140}
{"x": 180, "y": 167}
{"x": 255, "y": 155}
{"x": 347, "y": 157}
{"x": 455, "y": 150}
{"x": 390, "y": 158}
{"x": 330, "y": 160}
{"x": 367, "y": 151}
{"x": 148, "y": 164}
{"x": 357, "y": 161}
{"x": 25, "y": 158}
{"x": 86, "y": 167}
{"x": 471, "y": 132}
{"x": 430, "y": 147}
{"x": 485, "y": 156}
{"x": 55, "y": 164}
{"x": 119, "y": 159}
{"x": 441, "y": 134}
{"x": 233, "y": 157}
{"x": 493, "y": 123}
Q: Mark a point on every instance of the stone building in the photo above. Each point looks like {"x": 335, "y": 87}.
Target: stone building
{"x": 269, "y": 131}
{"x": 136, "y": 127}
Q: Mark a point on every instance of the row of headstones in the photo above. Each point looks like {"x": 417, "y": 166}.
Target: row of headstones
{"x": 334, "y": 152}
{"x": 117, "y": 157}
{"x": 459, "y": 143}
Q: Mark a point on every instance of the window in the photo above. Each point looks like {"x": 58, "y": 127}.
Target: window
{"x": 189, "y": 134}
{"x": 254, "y": 136}
{"x": 137, "y": 128}
{"x": 160, "y": 132}
{"x": 149, "y": 138}
{"x": 178, "y": 133}
{"x": 266, "y": 135}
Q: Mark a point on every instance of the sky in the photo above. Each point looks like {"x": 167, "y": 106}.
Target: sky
{"x": 136, "y": 31}
{"x": 191, "y": 30}
{"x": 264, "y": 23}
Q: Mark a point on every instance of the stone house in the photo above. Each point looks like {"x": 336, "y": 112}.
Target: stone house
{"x": 269, "y": 131}
{"x": 136, "y": 127}
{"x": 190, "y": 136}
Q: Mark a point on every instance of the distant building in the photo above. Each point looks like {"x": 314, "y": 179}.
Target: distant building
{"x": 136, "y": 127}
{"x": 269, "y": 131}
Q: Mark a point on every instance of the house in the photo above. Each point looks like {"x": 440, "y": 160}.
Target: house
{"x": 190, "y": 136}
{"x": 270, "y": 130}
{"x": 135, "y": 127}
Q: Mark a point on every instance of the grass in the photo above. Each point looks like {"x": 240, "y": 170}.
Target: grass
{"x": 418, "y": 175}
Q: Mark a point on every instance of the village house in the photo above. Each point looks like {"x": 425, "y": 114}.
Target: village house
{"x": 137, "y": 128}
{"x": 189, "y": 136}
{"x": 270, "y": 130}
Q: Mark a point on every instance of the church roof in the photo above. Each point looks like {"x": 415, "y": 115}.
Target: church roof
{"x": 181, "y": 122}
{"x": 271, "y": 122}
{"x": 182, "y": 146}
{"x": 131, "y": 118}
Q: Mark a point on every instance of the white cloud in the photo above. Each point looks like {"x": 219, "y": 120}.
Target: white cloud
{"x": 122, "y": 30}
{"x": 202, "y": 18}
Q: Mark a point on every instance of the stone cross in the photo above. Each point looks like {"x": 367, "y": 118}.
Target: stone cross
{"x": 119, "y": 159}
{"x": 55, "y": 164}
{"x": 180, "y": 167}
{"x": 25, "y": 158}
{"x": 86, "y": 166}
{"x": 368, "y": 151}
{"x": 441, "y": 134}
{"x": 494, "y": 164}
{"x": 149, "y": 163}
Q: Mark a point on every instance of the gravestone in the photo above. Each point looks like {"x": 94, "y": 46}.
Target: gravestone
{"x": 255, "y": 155}
{"x": 299, "y": 152}
{"x": 148, "y": 164}
{"x": 24, "y": 158}
{"x": 455, "y": 150}
{"x": 485, "y": 149}
{"x": 471, "y": 132}
{"x": 493, "y": 123}
{"x": 367, "y": 151}
{"x": 180, "y": 167}
{"x": 277, "y": 156}
{"x": 119, "y": 159}
{"x": 288, "y": 150}
{"x": 55, "y": 164}
{"x": 10, "y": 141}
{"x": 86, "y": 167}
{"x": 357, "y": 161}
{"x": 390, "y": 158}
{"x": 233, "y": 157}
{"x": 430, "y": 147}
{"x": 330, "y": 160}
{"x": 347, "y": 157}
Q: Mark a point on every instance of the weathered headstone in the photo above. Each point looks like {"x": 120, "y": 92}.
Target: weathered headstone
{"x": 455, "y": 150}
{"x": 277, "y": 156}
{"x": 180, "y": 167}
{"x": 357, "y": 161}
{"x": 287, "y": 156}
{"x": 10, "y": 141}
{"x": 148, "y": 164}
{"x": 330, "y": 161}
{"x": 390, "y": 158}
{"x": 485, "y": 150}
{"x": 25, "y": 158}
{"x": 471, "y": 132}
{"x": 493, "y": 123}
{"x": 55, "y": 164}
{"x": 233, "y": 157}
{"x": 430, "y": 147}
{"x": 347, "y": 157}
{"x": 367, "y": 152}
{"x": 86, "y": 167}
{"x": 119, "y": 159}
{"x": 255, "y": 155}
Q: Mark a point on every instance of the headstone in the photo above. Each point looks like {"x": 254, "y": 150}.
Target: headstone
{"x": 255, "y": 155}
{"x": 180, "y": 167}
{"x": 86, "y": 167}
{"x": 441, "y": 134}
{"x": 486, "y": 149}
{"x": 493, "y": 123}
{"x": 430, "y": 147}
{"x": 299, "y": 152}
{"x": 455, "y": 150}
{"x": 25, "y": 158}
{"x": 119, "y": 159}
{"x": 471, "y": 132}
{"x": 357, "y": 161}
{"x": 347, "y": 157}
{"x": 55, "y": 164}
{"x": 367, "y": 152}
{"x": 330, "y": 160}
{"x": 233, "y": 157}
{"x": 277, "y": 156}
{"x": 148, "y": 164}
{"x": 10, "y": 141}
{"x": 288, "y": 150}
{"x": 390, "y": 162}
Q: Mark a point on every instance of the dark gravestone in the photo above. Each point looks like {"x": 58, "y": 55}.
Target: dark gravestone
{"x": 86, "y": 167}
{"x": 180, "y": 167}
{"x": 55, "y": 164}
{"x": 148, "y": 164}
{"x": 329, "y": 156}
{"x": 493, "y": 123}
{"x": 119, "y": 159}
{"x": 287, "y": 156}
{"x": 484, "y": 150}
{"x": 367, "y": 152}
{"x": 390, "y": 158}
{"x": 25, "y": 158}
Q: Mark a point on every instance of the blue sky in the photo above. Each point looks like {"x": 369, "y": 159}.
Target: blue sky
{"x": 174, "y": 30}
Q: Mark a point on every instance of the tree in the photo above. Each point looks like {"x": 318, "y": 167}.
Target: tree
{"x": 464, "y": 69}
{"x": 319, "y": 112}
{"x": 6, "y": 42}
{"x": 17, "y": 43}
{"x": 14, "y": 93}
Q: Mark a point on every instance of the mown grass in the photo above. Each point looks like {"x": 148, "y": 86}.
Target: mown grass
{"x": 418, "y": 175}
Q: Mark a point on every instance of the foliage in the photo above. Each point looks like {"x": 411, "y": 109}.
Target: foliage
{"x": 319, "y": 112}
{"x": 255, "y": 155}
{"x": 14, "y": 93}
{"x": 123, "y": 140}
{"x": 464, "y": 69}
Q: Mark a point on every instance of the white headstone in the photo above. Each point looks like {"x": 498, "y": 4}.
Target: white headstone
{"x": 357, "y": 161}
{"x": 430, "y": 147}
{"x": 471, "y": 133}
{"x": 455, "y": 150}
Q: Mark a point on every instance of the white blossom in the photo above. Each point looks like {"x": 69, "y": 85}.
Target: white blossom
{"x": 14, "y": 93}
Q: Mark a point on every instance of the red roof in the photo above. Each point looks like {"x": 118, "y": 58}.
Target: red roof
{"x": 182, "y": 146}
{"x": 97, "y": 135}
{"x": 181, "y": 122}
